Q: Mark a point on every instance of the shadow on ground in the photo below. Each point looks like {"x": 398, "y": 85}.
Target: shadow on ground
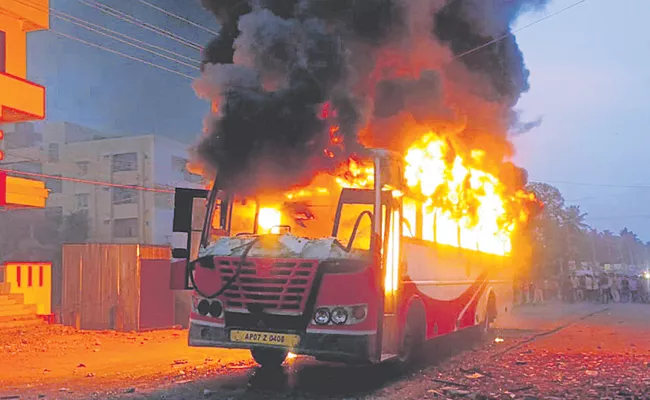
{"x": 306, "y": 378}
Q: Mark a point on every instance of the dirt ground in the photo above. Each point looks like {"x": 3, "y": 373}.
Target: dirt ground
{"x": 557, "y": 351}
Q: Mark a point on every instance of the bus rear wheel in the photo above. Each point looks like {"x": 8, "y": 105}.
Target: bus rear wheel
{"x": 269, "y": 357}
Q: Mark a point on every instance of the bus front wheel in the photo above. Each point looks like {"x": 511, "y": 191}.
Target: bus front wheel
{"x": 269, "y": 357}
{"x": 412, "y": 339}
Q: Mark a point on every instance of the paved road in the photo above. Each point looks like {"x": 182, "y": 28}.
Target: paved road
{"x": 561, "y": 351}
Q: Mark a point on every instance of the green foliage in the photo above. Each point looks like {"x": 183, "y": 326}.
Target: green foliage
{"x": 561, "y": 235}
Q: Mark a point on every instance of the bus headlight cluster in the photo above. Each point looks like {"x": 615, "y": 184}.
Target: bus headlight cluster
{"x": 340, "y": 315}
{"x": 214, "y": 308}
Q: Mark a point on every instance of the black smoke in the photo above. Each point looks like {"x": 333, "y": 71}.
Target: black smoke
{"x": 289, "y": 58}
{"x": 466, "y": 25}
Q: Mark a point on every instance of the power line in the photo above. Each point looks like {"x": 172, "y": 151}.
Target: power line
{"x": 120, "y": 53}
{"x": 610, "y": 185}
{"x": 127, "y": 42}
{"x": 63, "y": 16}
{"x": 86, "y": 181}
{"x": 138, "y": 22}
{"x": 620, "y": 217}
{"x": 72, "y": 37}
{"x": 171, "y": 14}
{"x": 511, "y": 33}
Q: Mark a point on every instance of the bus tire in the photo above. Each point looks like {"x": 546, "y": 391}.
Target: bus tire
{"x": 269, "y": 357}
{"x": 412, "y": 338}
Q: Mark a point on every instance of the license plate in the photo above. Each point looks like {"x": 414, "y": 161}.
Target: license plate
{"x": 276, "y": 339}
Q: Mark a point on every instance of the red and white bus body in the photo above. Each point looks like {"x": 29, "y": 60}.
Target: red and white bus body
{"x": 273, "y": 301}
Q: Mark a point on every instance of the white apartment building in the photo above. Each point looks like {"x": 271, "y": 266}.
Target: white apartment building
{"x": 123, "y": 184}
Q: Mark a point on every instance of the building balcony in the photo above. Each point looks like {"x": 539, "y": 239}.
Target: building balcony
{"x": 21, "y": 192}
{"x": 34, "y": 14}
{"x": 20, "y": 100}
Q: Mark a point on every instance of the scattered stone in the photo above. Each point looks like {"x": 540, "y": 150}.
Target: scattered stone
{"x": 520, "y": 362}
{"x": 130, "y": 390}
{"x": 81, "y": 365}
{"x": 591, "y": 373}
{"x": 207, "y": 392}
{"x": 180, "y": 362}
{"x": 90, "y": 375}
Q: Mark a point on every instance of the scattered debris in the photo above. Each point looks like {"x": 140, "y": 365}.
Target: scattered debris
{"x": 450, "y": 383}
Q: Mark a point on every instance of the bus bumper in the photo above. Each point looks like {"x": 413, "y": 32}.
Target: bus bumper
{"x": 335, "y": 347}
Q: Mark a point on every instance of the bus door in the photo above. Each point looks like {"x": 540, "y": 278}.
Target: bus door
{"x": 391, "y": 264}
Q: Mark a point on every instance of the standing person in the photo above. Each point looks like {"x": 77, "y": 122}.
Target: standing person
{"x": 633, "y": 288}
{"x": 546, "y": 294}
{"x": 625, "y": 289}
{"x": 588, "y": 288}
{"x": 605, "y": 288}
{"x": 616, "y": 288}
{"x": 567, "y": 288}
{"x": 575, "y": 283}
{"x": 539, "y": 293}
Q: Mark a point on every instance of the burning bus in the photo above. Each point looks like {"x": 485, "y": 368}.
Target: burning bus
{"x": 360, "y": 266}
{"x": 307, "y": 242}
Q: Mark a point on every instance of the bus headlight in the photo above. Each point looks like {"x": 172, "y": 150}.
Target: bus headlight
{"x": 216, "y": 309}
{"x": 339, "y": 316}
{"x": 203, "y": 307}
{"x": 322, "y": 316}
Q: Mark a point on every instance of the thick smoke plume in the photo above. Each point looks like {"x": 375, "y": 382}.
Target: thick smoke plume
{"x": 299, "y": 85}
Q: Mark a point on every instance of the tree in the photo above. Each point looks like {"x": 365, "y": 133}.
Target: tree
{"x": 575, "y": 228}
{"x": 548, "y": 245}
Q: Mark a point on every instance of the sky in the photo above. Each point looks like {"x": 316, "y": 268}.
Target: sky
{"x": 589, "y": 79}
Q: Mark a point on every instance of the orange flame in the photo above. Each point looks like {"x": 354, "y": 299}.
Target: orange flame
{"x": 468, "y": 207}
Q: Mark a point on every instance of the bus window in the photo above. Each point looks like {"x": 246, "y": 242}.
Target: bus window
{"x": 349, "y": 215}
{"x": 243, "y": 217}
{"x": 409, "y": 217}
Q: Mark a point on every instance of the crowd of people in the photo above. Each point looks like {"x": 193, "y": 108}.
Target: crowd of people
{"x": 603, "y": 288}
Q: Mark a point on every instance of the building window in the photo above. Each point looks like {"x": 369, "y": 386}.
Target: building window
{"x": 54, "y": 185}
{"x": 125, "y": 228}
{"x": 124, "y": 195}
{"x": 125, "y": 162}
{"x": 82, "y": 200}
{"x": 53, "y": 152}
{"x": 83, "y": 167}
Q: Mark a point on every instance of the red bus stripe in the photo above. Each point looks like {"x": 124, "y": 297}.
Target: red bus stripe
{"x": 40, "y": 276}
{"x": 29, "y": 276}
{"x": 18, "y": 276}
